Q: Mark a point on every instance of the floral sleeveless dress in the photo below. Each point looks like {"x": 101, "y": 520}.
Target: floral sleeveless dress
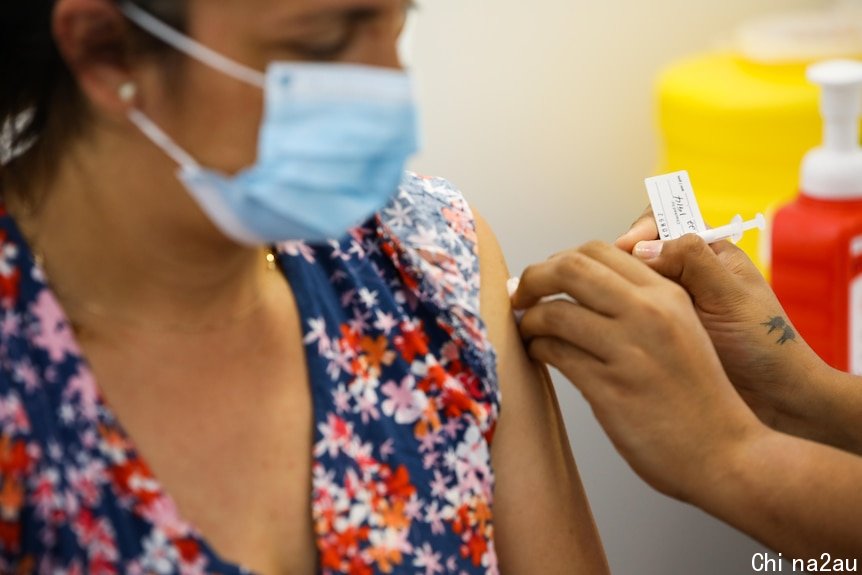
{"x": 405, "y": 395}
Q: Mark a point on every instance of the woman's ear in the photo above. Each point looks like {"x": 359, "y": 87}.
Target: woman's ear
{"x": 92, "y": 37}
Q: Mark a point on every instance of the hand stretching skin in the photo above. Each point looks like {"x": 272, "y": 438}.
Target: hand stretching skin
{"x": 634, "y": 345}
{"x": 636, "y": 349}
{"x": 780, "y": 377}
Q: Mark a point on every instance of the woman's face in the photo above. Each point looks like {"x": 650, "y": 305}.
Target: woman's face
{"x": 216, "y": 118}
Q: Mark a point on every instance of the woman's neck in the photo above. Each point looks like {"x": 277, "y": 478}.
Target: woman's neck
{"x": 117, "y": 231}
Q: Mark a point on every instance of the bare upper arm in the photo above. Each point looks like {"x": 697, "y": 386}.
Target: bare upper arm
{"x": 542, "y": 516}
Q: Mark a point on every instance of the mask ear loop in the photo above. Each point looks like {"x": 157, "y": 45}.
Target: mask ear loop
{"x": 162, "y": 140}
{"x": 127, "y": 93}
{"x": 190, "y": 47}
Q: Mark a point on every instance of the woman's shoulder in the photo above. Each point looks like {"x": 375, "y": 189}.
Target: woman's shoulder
{"x": 432, "y": 233}
{"x": 432, "y": 190}
{"x": 432, "y": 212}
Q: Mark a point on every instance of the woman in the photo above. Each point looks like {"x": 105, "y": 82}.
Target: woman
{"x": 178, "y": 397}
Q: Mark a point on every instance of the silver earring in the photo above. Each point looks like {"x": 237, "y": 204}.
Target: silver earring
{"x": 128, "y": 91}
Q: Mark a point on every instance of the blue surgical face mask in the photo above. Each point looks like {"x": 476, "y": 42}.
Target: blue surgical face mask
{"x": 332, "y": 148}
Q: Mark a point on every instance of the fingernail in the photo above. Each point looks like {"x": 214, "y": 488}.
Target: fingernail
{"x": 648, "y": 250}
{"x": 512, "y": 285}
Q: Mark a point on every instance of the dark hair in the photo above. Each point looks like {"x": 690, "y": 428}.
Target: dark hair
{"x": 40, "y": 104}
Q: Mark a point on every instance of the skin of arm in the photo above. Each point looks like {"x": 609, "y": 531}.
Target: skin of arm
{"x": 780, "y": 377}
{"x": 543, "y": 522}
{"x": 635, "y": 347}
{"x": 796, "y": 496}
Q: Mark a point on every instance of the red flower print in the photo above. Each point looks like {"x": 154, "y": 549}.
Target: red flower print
{"x": 10, "y": 535}
{"x": 10, "y": 286}
{"x": 435, "y": 379}
{"x": 412, "y": 342}
{"x": 13, "y": 457}
{"x": 398, "y": 484}
{"x": 475, "y": 548}
{"x": 134, "y": 478}
{"x": 188, "y": 548}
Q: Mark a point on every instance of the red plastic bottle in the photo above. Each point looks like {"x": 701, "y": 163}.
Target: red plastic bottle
{"x": 817, "y": 274}
{"x": 817, "y": 239}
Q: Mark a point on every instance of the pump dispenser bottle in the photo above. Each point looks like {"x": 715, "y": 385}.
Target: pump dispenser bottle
{"x": 817, "y": 239}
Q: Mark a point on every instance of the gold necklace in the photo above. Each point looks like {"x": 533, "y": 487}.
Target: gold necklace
{"x": 98, "y": 311}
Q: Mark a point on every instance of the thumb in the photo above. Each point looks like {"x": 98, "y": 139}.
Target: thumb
{"x": 644, "y": 228}
{"x": 690, "y": 262}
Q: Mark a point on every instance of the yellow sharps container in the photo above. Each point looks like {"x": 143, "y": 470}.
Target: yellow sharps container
{"x": 740, "y": 121}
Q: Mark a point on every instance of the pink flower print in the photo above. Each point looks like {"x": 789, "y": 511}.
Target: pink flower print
{"x": 196, "y": 567}
{"x": 429, "y": 441}
{"x": 362, "y": 453}
{"x": 367, "y": 407}
{"x": 387, "y": 450}
{"x": 10, "y": 325}
{"x": 450, "y": 351}
{"x": 356, "y": 250}
{"x": 347, "y": 297}
{"x": 298, "y": 248}
{"x": 8, "y": 253}
{"x": 385, "y": 322}
{"x": 44, "y": 495}
{"x": 434, "y": 517}
{"x": 429, "y": 460}
{"x": 317, "y": 334}
{"x": 413, "y": 509}
{"x": 459, "y": 218}
{"x": 83, "y": 386}
{"x": 439, "y": 485}
{"x": 474, "y": 450}
{"x": 13, "y": 414}
{"x": 159, "y": 555}
{"x": 490, "y": 560}
{"x": 341, "y": 399}
{"x": 95, "y": 534}
{"x": 359, "y": 323}
{"x": 340, "y": 360}
{"x": 368, "y": 298}
{"x": 336, "y": 433}
{"x": 399, "y": 215}
{"x": 87, "y": 483}
{"x": 403, "y": 401}
{"x": 427, "y": 559}
{"x": 26, "y": 374}
{"x": 337, "y": 252}
{"x": 55, "y": 336}
{"x": 452, "y": 427}
{"x": 338, "y": 276}
{"x": 425, "y": 237}
{"x": 163, "y": 514}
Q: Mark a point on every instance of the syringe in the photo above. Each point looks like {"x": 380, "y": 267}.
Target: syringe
{"x": 734, "y": 230}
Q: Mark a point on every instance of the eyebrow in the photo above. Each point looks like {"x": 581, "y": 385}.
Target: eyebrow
{"x": 298, "y": 17}
{"x": 323, "y": 6}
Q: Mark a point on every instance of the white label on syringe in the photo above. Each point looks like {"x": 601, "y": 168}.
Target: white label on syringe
{"x": 674, "y": 205}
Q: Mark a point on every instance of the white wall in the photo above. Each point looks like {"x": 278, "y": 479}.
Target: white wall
{"x": 542, "y": 113}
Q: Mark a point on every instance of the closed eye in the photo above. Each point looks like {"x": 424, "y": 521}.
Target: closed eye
{"x": 339, "y": 35}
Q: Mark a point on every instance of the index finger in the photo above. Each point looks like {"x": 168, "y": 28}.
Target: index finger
{"x": 580, "y": 275}
{"x": 643, "y": 229}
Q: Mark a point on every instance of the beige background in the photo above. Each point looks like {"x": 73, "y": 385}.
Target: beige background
{"x": 542, "y": 113}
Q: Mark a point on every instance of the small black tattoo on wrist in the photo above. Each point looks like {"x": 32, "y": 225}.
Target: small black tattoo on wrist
{"x": 779, "y": 323}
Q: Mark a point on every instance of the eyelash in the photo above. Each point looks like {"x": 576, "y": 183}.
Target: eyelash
{"x": 333, "y": 50}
